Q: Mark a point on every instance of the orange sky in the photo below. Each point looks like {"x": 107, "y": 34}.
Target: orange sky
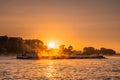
{"x": 72, "y": 22}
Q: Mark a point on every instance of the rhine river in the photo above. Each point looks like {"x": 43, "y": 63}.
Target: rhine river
{"x": 64, "y": 69}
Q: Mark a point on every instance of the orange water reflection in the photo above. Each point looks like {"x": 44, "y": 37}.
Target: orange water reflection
{"x": 48, "y": 71}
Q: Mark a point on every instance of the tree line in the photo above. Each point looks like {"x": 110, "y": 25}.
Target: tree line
{"x": 15, "y": 45}
{"x": 86, "y": 51}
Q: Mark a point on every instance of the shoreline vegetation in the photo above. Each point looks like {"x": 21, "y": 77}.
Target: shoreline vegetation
{"x": 17, "y": 46}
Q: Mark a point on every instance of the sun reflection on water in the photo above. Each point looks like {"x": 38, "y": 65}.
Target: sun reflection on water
{"x": 48, "y": 71}
{"x": 67, "y": 69}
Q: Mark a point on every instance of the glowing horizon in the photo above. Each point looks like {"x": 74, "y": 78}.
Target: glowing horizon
{"x": 79, "y": 23}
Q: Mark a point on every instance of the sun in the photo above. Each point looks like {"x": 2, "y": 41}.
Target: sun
{"x": 51, "y": 45}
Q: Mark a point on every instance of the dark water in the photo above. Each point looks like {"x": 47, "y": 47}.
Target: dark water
{"x": 77, "y": 69}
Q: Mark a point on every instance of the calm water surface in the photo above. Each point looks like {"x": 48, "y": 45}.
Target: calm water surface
{"x": 68, "y": 69}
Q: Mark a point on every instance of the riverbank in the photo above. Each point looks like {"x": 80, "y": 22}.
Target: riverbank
{"x": 63, "y": 57}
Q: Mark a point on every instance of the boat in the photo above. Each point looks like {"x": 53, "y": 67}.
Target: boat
{"x": 27, "y": 55}
{"x": 34, "y": 55}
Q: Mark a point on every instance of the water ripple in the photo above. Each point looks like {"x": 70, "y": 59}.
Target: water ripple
{"x": 87, "y": 69}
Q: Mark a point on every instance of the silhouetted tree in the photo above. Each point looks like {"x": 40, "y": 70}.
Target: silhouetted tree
{"x": 15, "y": 45}
{"x": 61, "y": 50}
{"x": 3, "y": 43}
{"x": 107, "y": 51}
{"x": 75, "y": 52}
{"x": 68, "y": 51}
{"x": 18, "y": 45}
{"x": 89, "y": 50}
{"x": 35, "y": 45}
{"x": 97, "y": 52}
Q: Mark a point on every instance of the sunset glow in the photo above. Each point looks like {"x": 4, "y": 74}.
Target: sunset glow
{"x": 59, "y": 39}
{"x": 71, "y": 22}
{"x": 51, "y": 45}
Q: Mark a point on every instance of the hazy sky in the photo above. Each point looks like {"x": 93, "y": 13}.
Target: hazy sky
{"x": 72, "y": 22}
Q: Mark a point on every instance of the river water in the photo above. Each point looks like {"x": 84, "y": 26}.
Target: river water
{"x": 64, "y": 69}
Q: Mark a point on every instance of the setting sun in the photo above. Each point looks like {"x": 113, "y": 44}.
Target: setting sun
{"x": 51, "y": 45}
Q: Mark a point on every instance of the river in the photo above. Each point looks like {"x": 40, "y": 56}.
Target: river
{"x": 63, "y": 69}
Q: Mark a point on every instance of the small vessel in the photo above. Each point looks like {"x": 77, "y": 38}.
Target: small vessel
{"x": 34, "y": 55}
{"x": 27, "y": 55}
